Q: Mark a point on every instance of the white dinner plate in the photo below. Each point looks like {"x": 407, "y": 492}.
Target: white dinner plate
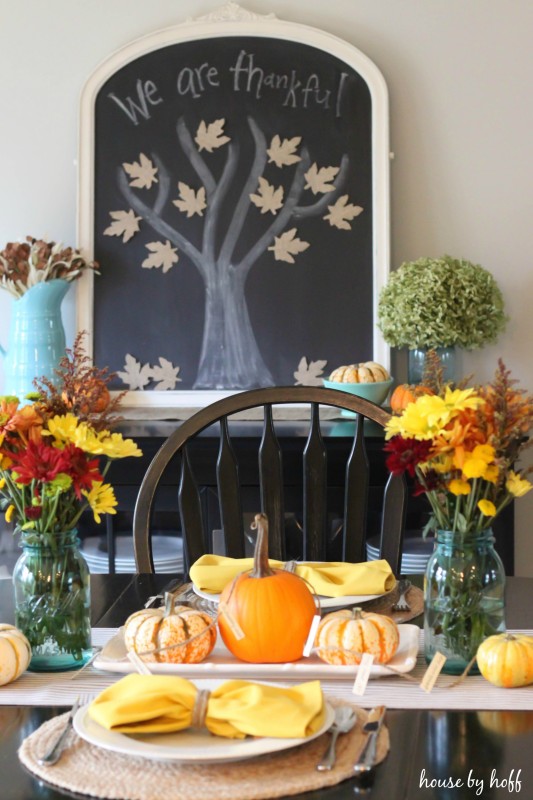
{"x": 188, "y": 746}
{"x": 325, "y": 602}
{"x": 222, "y": 664}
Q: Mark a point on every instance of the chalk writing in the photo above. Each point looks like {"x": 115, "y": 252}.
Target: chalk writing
{"x": 297, "y": 92}
{"x": 191, "y": 81}
{"x": 146, "y": 95}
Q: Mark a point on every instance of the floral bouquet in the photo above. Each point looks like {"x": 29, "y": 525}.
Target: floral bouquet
{"x": 24, "y": 264}
{"x": 55, "y": 452}
{"x": 461, "y": 446}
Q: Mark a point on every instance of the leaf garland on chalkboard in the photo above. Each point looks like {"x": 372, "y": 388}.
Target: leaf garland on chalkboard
{"x": 162, "y": 255}
{"x": 288, "y": 245}
{"x": 319, "y": 180}
{"x": 268, "y": 197}
{"x": 137, "y": 375}
{"x": 124, "y": 224}
{"x": 211, "y": 137}
{"x": 191, "y": 202}
{"x": 309, "y": 374}
{"x": 165, "y": 375}
{"x": 142, "y": 171}
{"x": 342, "y": 212}
{"x": 283, "y": 153}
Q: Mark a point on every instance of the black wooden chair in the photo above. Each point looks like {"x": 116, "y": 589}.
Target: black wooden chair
{"x": 175, "y": 451}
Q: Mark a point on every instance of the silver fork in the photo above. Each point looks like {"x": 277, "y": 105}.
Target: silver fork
{"x": 54, "y": 753}
{"x": 401, "y": 603}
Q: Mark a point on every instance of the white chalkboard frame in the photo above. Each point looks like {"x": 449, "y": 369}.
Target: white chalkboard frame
{"x": 231, "y": 20}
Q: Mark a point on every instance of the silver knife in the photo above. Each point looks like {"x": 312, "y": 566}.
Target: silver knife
{"x": 371, "y": 727}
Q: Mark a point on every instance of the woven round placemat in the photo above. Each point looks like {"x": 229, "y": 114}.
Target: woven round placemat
{"x": 90, "y": 770}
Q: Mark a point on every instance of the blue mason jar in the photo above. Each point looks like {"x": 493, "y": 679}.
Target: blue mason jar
{"x": 464, "y": 597}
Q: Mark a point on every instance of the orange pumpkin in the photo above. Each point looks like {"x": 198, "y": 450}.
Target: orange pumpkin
{"x": 272, "y": 607}
{"x": 190, "y": 634}
{"x": 407, "y": 393}
{"x": 343, "y": 636}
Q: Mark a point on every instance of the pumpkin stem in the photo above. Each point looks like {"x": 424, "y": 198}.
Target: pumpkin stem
{"x": 261, "y": 567}
{"x": 170, "y": 602}
{"x": 357, "y": 613}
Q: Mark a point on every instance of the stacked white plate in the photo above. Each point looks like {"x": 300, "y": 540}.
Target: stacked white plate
{"x": 415, "y": 555}
{"x": 167, "y": 551}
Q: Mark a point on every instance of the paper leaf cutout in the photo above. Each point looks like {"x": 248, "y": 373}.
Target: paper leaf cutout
{"x": 318, "y": 180}
{"x": 166, "y": 375}
{"x": 287, "y": 245}
{"x": 163, "y": 255}
{"x": 210, "y": 137}
{"x": 282, "y": 153}
{"x": 135, "y": 375}
{"x": 124, "y": 224}
{"x": 268, "y": 197}
{"x": 190, "y": 202}
{"x": 341, "y": 212}
{"x": 142, "y": 171}
{"x": 309, "y": 374}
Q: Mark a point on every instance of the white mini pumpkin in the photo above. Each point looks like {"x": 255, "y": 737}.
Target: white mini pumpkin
{"x": 15, "y": 653}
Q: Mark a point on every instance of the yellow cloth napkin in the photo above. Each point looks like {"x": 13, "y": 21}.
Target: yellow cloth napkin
{"x": 235, "y": 709}
{"x": 211, "y": 573}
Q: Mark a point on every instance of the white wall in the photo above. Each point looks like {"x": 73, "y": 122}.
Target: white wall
{"x": 459, "y": 74}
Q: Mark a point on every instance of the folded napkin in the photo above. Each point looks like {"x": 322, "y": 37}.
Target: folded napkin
{"x": 211, "y": 573}
{"x": 235, "y": 709}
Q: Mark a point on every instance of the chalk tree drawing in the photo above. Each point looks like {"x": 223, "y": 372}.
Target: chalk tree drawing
{"x": 230, "y": 356}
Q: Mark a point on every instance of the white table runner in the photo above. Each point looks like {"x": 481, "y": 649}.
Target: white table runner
{"x": 475, "y": 693}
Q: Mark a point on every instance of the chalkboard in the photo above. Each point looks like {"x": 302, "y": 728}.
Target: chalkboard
{"x": 234, "y": 180}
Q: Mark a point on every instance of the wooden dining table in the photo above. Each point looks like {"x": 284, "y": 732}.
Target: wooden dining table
{"x": 433, "y": 753}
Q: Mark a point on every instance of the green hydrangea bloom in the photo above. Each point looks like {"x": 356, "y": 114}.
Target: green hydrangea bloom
{"x": 440, "y": 303}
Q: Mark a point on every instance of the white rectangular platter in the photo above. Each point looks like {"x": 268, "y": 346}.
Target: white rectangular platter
{"x": 222, "y": 664}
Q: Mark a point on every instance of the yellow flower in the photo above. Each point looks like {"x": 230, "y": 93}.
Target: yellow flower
{"x": 487, "y": 508}
{"x": 2, "y": 483}
{"x": 491, "y": 473}
{"x": 457, "y": 486}
{"x": 428, "y": 416}
{"x": 475, "y": 463}
{"x": 101, "y": 499}
{"x": 10, "y": 512}
{"x": 88, "y": 440}
{"x": 516, "y": 485}
{"x": 63, "y": 428}
{"x": 115, "y": 446}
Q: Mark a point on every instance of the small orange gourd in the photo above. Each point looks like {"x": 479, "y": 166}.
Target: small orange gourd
{"x": 364, "y": 372}
{"x": 189, "y": 634}
{"x": 506, "y": 659}
{"x": 343, "y": 636}
{"x": 273, "y": 608}
{"x": 15, "y": 653}
{"x": 407, "y": 393}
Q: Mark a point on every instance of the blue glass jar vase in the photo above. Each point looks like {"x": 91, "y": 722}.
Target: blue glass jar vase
{"x": 464, "y": 597}
{"x": 417, "y": 359}
{"x": 53, "y": 601}
{"x": 36, "y": 337}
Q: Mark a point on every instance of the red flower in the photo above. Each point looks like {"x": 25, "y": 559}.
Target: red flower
{"x": 406, "y": 454}
{"x": 82, "y": 470}
{"x": 33, "y": 512}
{"x": 40, "y": 462}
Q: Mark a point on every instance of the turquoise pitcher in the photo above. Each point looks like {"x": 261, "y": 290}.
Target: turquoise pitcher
{"x": 36, "y": 337}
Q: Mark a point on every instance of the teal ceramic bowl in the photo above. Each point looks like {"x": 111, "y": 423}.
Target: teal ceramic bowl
{"x": 375, "y": 392}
